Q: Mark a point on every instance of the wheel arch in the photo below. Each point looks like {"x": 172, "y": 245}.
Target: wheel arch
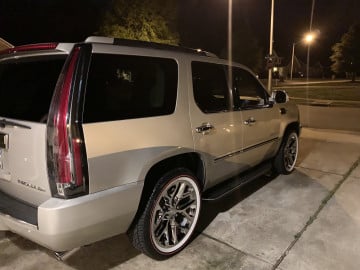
{"x": 285, "y": 128}
{"x": 284, "y": 163}
{"x": 292, "y": 126}
{"x": 191, "y": 161}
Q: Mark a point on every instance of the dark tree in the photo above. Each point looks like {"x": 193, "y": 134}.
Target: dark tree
{"x": 346, "y": 53}
{"x": 147, "y": 20}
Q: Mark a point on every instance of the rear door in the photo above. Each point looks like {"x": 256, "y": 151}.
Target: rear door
{"x": 213, "y": 121}
{"x": 27, "y": 83}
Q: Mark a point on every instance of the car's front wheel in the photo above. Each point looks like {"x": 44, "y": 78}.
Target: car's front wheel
{"x": 285, "y": 160}
{"x": 170, "y": 216}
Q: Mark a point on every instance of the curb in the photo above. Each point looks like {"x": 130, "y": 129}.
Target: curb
{"x": 325, "y": 103}
{"x": 330, "y": 135}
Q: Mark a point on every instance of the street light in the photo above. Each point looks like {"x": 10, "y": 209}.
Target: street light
{"x": 308, "y": 39}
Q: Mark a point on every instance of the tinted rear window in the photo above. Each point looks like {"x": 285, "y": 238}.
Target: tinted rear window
{"x": 26, "y": 87}
{"x": 210, "y": 87}
{"x": 124, "y": 87}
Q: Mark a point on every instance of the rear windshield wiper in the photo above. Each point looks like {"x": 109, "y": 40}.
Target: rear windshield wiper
{"x": 4, "y": 123}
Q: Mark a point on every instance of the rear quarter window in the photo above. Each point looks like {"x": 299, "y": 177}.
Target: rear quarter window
{"x": 125, "y": 87}
{"x": 27, "y": 86}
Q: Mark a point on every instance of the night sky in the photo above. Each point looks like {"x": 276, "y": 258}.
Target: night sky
{"x": 202, "y": 23}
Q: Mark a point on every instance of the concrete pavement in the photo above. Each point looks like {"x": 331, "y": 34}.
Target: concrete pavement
{"x": 307, "y": 220}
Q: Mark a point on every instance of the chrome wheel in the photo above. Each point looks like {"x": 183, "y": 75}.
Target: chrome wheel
{"x": 291, "y": 151}
{"x": 175, "y": 214}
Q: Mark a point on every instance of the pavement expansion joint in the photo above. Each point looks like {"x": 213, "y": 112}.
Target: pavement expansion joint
{"x": 317, "y": 170}
{"x": 316, "y": 214}
{"x": 234, "y": 248}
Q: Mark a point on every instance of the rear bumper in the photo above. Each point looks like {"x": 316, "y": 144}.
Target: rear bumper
{"x": 66, "y": 224}
{"x": 17, "y": 209}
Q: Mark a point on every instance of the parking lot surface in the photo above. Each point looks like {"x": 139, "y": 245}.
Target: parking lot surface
{"x": 307, "y": 220}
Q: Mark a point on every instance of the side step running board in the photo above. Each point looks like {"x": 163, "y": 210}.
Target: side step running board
{"x": 63, "y": 255}
{"x": 229, "y": 186}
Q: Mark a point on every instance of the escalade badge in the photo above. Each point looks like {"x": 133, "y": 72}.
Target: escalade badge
{"x": 27, "y": 184}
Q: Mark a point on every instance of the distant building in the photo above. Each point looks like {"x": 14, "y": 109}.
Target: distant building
{"x": 4, "y": 44}
{"x": 299, "y": 70}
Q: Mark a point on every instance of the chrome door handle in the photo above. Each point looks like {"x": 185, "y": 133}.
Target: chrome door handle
{"x": 249, "y": 121}
{"x": 204, "y": 128}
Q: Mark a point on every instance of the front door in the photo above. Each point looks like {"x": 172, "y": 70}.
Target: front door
{"x": 260, "y": 122}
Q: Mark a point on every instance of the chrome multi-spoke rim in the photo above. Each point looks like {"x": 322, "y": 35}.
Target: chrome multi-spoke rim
{"x": 175, "y": 214}
{"x": 291, "y": 152}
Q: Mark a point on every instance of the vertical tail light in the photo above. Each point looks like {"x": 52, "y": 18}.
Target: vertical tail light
{"x": 66, "y": 156}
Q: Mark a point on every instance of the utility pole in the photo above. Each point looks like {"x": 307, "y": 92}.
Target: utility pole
{"x": 271, "y": 44}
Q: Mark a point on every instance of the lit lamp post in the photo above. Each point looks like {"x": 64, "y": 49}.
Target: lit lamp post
{"x": 308, "y": 39}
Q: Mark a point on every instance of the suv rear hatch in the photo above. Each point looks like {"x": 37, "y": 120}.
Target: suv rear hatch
{"x": 28, "y": 76}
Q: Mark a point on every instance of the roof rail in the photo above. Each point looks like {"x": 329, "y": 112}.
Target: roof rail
{"x": 147, "y": 44}
{"x": 95, "y": 39}
{"x": 209, "y": 54}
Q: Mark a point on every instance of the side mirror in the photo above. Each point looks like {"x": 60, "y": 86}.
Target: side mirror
{"x": 280, "y": 96}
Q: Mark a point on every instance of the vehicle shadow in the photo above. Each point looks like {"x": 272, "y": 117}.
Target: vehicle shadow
{"x": 113, "y": 252}
{"x": 210, "y": 209}
{"x": 103, "y": 255}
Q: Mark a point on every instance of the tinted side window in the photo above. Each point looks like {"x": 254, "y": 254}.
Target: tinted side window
{"x": 124, "y": 87}
{"x": 27, "y": 86}
{"x": 210, "y": 87}
{"x": 249, "y": 92}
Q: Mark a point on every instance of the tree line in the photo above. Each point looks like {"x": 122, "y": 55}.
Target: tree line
{"x": 346, "y": 53}
{"x": 156, "y": 21}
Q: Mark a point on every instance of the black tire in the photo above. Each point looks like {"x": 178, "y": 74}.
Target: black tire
{"x": 285, "y": 160}
{"x": 170, "y": 216}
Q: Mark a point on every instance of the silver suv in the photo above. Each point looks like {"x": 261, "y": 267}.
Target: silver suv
{"x": 109, "y": 136}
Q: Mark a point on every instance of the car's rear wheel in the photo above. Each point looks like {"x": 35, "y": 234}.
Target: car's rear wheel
{"x": 285, "y": 160}
{"x": 170, "y": 216}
